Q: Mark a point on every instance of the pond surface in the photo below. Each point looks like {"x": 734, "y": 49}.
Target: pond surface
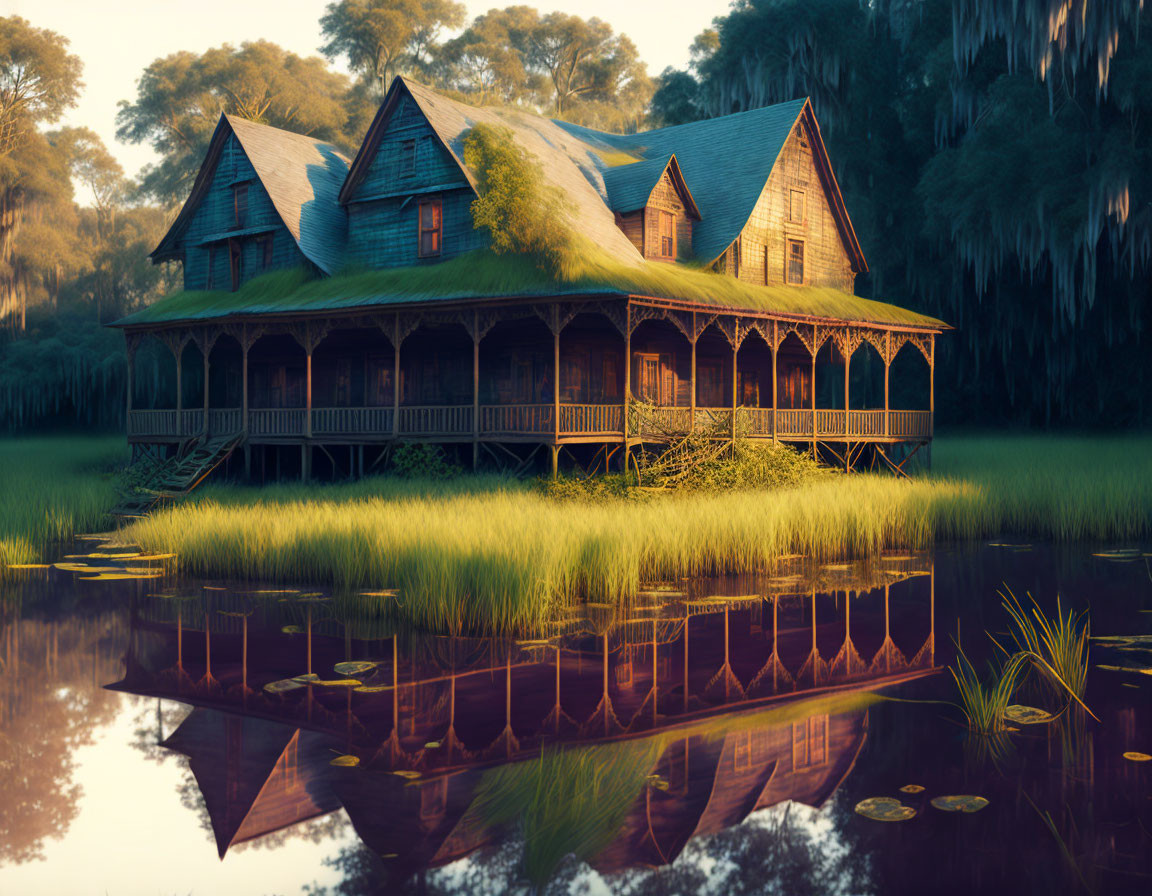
{"x": 715, "y": 737}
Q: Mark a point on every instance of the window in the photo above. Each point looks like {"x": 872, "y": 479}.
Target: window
{"x": 264, "y": 251}
{"x": 648, "y": 379}
{"x": 408, "y": 157}
{"x": 236, "y": 257}
{"x": 430, "y": 228}
{"x": 240, "y": 205}
{"x": 796, "y": 206}
{"x": 211, "y": 283}
{"x": 794, "y": 263}
{"x": 667, "y": 235}
{"x": 810, "y": 742}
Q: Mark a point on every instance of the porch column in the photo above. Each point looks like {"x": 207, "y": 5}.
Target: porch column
{"x": 775, "y": 345}
{"x": 627, "y": 376}
{"x": 735, "y": 377}
{"x": 847, "y": 366}
{"x": 130, "y": 354}
{"x": 887, "y": 365}
{"x": 206, "y": 346}
{"x": 245, "y": 344}
{"x": 396, "y": 377}
{"x": 931, "y": 384}
{"x": 475, "y": 390}
{"x": 306, "y": 447}
{"x": 555, "y": 389}
{"x": 815, "y": 348}
{"x": 692, "y": 378}
{"x": 178, "y": 351}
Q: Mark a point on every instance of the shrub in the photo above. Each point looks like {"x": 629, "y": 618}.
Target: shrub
{"x": 419, "y": 461}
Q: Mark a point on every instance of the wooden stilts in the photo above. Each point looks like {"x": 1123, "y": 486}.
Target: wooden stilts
{"x": 775, "y": 345}
{"x": 735, "y": 381}
{"x": 627, "y": 377}
{"x": 692, "y": 378}
{"x": 847, "y": 409}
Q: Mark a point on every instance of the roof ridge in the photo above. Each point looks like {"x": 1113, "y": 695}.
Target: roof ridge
{"x": 233, "y": 119}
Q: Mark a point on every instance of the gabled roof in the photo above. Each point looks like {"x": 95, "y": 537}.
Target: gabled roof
{"x": 630, "y": 186}
{"x": 567, "y": 163}
{"x": 302, "y": 177}
{"x": 726, "y": 162}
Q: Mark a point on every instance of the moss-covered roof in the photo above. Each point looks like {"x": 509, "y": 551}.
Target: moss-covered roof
{"x": 485, "y": 275}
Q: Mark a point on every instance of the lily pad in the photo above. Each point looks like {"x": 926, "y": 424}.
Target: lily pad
{"x": 965, "y": 803}
{"x": 884, "y": 808}
{"x": 407, "y": 773}
{"x": 346, "y": 761}
{"x": 283, "y": 686}
{"x": 308, "y": 678}
{"x": 338, "y": 683}
{"x": 1123, "y": 555}
{"x": 1027, "y": 715}
{"x": 1137, "y": 757}
{"x": 29, "y": 565}
{"x": 354, "y": 667}
{"x": 372, "y": 688}
{"x": 912, "y": 788}
{"x": 293, "y": 629}
{"x": 432, "y": 745}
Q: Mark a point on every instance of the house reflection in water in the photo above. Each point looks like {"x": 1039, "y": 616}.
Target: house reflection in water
{"x": 733, "y": 704}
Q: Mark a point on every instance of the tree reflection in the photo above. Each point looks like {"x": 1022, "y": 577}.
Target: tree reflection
{"x": 51, "y": 704}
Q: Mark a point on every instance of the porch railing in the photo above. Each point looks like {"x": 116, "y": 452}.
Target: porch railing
{"x": 455, "y": 421}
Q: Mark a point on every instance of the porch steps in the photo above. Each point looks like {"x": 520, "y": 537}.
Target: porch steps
{"x": 176, "y": 477}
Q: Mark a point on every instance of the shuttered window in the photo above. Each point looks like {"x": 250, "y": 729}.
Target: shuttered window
{"x": 795, "y": 262}
{"x": 667, "y": 235}
{"x": 240, "y": 205}
{"x": 431, "y": 228}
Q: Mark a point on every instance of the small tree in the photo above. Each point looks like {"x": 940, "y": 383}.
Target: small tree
{"x": 522, "y": 212}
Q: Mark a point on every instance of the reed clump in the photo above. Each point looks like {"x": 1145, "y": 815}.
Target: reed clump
{"x": 52, "y": 488}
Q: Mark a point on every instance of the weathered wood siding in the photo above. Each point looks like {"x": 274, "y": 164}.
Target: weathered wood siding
{"x": 665, "y": 198}
{"x": 764, "y": 238}
{"x": 383, "y": 214}
{"x": 213, "y": 223}
{"x": 632, "y": 224}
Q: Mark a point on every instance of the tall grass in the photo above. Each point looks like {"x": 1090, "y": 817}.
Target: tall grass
{"x": 52, "y": 488}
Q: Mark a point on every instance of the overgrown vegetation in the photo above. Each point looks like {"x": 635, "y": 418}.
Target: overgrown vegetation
{"x": 52, "y": 489}
{"x": 522, "y": 213}
{"x": 1055, "y": 649}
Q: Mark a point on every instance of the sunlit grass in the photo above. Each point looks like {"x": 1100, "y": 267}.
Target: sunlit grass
{"x": 52, "y": 488}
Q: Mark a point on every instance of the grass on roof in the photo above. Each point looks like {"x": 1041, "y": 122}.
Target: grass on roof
{"x": 483, "y": 274}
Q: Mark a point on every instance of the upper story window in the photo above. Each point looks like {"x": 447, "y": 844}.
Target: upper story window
{"x": 236, "y": 259}
{"x": 431, "y": 228}
{"x": 240, "y": 206}
{"x": 667, "y": 235}
{"x": 794, "y": 263}
{"x": 796, "y": 206}
{"x": 408, "y": 157}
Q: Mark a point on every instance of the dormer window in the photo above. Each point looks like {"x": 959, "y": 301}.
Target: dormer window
{"x": 667, "y": 235}
{"x": 431, "y": 228}
{"x": 794, "y": 263}
{"x": 239, "y": 206}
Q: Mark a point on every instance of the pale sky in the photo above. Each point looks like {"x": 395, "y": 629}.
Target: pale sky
{"x": 117, "y": 39}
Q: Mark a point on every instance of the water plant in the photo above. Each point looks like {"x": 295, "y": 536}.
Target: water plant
{"x": 984, "y": 701}
{"x": 1059, "y": 644}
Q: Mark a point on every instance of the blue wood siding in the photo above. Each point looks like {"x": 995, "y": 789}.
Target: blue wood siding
{"x": 215, "y": 218}
{"x": 383, "y": 214}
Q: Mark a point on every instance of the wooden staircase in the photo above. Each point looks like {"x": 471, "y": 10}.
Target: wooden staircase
{"x": 174, "y": 478}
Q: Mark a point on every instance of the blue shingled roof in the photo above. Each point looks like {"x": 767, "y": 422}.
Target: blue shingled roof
{"x": 629, "y": 186}
{"x": 725, "y": 161}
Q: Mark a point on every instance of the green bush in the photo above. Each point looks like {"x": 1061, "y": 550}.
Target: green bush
{"x": 419, "y": 461}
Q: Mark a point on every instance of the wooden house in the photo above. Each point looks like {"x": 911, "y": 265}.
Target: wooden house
{"x": 332, "y": 309}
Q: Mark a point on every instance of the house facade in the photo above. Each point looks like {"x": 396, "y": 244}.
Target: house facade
{"x": 334, "y": 308}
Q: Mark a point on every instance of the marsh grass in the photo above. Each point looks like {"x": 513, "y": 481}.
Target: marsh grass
{"x": 983, "y": 701}
{"x": 52, "y": 488}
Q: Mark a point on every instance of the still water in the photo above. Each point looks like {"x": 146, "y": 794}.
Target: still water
{"x": 713, "y": 738}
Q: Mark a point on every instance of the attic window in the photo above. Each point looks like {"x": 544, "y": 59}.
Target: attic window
{"x": 795, "y": 262}
{"x": 667, "y": 235}
{"x": 408, "y": 157}
{"x": 431, "y": 228}
{"x": 796, "y": 206}
{"x": 240, "y": 205}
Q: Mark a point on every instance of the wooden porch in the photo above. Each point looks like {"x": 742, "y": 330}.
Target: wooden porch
{"x": 553, "y": 373}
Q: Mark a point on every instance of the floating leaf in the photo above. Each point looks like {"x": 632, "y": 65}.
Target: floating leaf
{"x": 274, "y": 591}
{"x": 597, "y": 606}
{"x": 119, "y": 576}
{"x": 1027, "y": 715}
{"x": 657, "y": 782}
{"x": 432, "y": 745}
{"x": 309, "y": 678}
{"x": 407, "y": 773}
{"x": 1128, "y": 684}
{"x": 884, "y": 808}
{"x": 293, "y": 629}
{"x": 338, "y": 683}
{"x": 29, "y": 565}
{"x": 912, "y": 788}
{"x": 387, "y": 592}
{"x": 1120, "y": 554}
{"x": 213, "y": 587}
{"x": 661, "y": 592}
{"x": 354, "y": 667}
{"x": 1137, "y": 757}
{"x": 283, "y": 686}
{"x": 346, "y": 761}
{"x": 372, "y": 688}
{"x": 965, "y": 803}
